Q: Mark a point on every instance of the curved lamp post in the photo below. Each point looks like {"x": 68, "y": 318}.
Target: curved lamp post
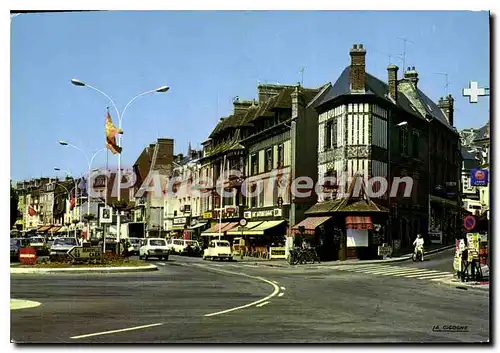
{"x": 89, "y": 165}
{"x": 161, "y": 89}
{"x": 75, "y": 187}
{"x": 389, "y": 176}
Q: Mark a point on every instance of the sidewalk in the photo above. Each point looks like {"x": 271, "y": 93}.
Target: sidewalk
{"x": 283, "y": 263}
{"x": 483, "y": 286}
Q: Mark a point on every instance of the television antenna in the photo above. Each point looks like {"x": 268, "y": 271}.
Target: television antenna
{"x": 405, "y": 40}
{"x": 447, "y": 84}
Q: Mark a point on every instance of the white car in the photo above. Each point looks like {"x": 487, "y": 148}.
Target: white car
{"x": 154, "y": 247}
{"x": 180, "y": 246}
{"x": 218, "y": 249}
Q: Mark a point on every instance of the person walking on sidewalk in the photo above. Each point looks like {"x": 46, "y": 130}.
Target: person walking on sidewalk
{"x": 419, "y": 245}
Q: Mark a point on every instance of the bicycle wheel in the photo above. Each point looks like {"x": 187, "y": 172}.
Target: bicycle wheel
{"x": 295, "y": 259}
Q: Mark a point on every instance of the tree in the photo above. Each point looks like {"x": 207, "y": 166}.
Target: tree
{"x": 88, "y": 217}
{"x": 14, "y": 212}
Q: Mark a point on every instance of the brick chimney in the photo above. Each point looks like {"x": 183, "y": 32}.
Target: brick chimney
{"x": 392, "y": 73}
{"x": 240, "y": 106}
{"x": 268, "y": 91}
{"x": 357, "y": 75}
{"x": 446, "y": 105}
{"x": 412, "y": 75}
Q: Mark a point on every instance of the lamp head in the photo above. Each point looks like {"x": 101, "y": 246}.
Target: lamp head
{"x": 77, "y": 82}
{"x": 162, "y": 89}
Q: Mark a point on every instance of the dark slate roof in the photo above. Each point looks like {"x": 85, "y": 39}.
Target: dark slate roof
{"x": 377, "y": 87}
{"x": 483, "y": 132}
{"x": 434, "y": 110}
{"x": 466, "y": 154}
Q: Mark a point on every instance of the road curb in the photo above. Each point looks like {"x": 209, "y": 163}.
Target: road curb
{"x": 84, "y": 270}
{"x": 361, "y": 262}
{"x": 466, "y": 286}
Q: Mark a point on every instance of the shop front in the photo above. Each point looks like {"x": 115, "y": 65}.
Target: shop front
{"x": 346, "y": 228}
{"x": 179, "y": 226}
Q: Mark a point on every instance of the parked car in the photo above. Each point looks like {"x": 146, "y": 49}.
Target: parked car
{"x": 61, "y": 246}
{"x": 185, "y": 247}
{"x": 16, "y": 244}
{"x": 39, "y": 244}
{"x": 154, "y": 247}
{"x": 218, "y": 249}
{"x": 136, "y": 244}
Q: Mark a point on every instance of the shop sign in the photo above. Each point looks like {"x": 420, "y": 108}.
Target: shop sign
{"x": 266, "y": 213}
{"x": 435, "y": 236}
{"x": 206, "y": 215}
{"x": 479, "y": 177}
{"x": 384, "y": 250}
{"x": 277, "y": 253}
{"x": 181, "y": 220}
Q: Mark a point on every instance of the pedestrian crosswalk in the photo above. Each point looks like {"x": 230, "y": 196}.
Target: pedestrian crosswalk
{"x": 395, "y": 271}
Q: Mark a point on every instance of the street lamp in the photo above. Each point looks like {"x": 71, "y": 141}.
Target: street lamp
{"x": 76, "y": 190}
{"x": 89, "y": 165}
{"x": 120, "y": 118}
{"x": 389, "y": 169}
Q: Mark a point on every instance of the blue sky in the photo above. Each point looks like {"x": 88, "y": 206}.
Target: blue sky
{"x": 207, "y": 58}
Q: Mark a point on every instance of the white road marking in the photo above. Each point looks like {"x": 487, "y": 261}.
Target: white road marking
{"x": 440, "y": 278}
{"x": 216, "y": 265}
{"x": 404, "y": 274}
{"x": 262, "y": 304}
{"x": 162, "y": 264}
{"x": 428, "y": 273}
{"x": 251, "y": 265}
{"x": 283, "y": 288}
{"x": 281, "y": 294}
{"x": 274, "y": 293}
{"x": 436, "y": 275}
{"x": 18, "y": 304}
{"x": 115, "y": 331}
{"x": 275, "y": 282}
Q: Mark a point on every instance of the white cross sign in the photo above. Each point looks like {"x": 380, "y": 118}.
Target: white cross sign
{"x": 473, "y": 92}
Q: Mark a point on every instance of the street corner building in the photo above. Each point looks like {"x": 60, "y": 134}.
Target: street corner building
{"x": 370, "y": 128}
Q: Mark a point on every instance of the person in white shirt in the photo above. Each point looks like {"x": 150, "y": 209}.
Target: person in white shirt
{"x": 419, "y": 244}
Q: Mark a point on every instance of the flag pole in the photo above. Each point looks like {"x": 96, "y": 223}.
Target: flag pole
{"x": 104, "y": 225}
{"x": 223, "y": 166}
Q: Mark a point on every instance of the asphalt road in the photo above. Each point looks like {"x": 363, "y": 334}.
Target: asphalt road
{"x": 303, "y": 305}
{"x": 441, "y": 261}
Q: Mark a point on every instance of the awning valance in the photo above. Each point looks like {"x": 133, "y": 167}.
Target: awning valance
{"x": 358, "y": 222}
{"x": 310, "y": 224}
{"x": 260, "y": 228}
{"x": 249, "y": 226}
{"x": 63, "y": 229}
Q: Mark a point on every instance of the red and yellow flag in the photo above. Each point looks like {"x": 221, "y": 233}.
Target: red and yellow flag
{"x": 111, "y": 131}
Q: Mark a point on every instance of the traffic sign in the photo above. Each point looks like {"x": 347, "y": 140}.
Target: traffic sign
{"x": 469, "y": 222}
{"x": 27, "y": 256}
{"x": 85, "y": 253}
{"x": 243, "y": 222}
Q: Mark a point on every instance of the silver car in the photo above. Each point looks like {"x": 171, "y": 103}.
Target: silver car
{"x": 61, "y": 246}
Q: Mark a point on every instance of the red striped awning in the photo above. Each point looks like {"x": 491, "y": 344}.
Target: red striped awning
{"x": 359, "y": 222}
{"x": 44, "y": 228}
{"x": 216, "y": 228}
{"x": 230, "y": 226}
{"x": 310, "y": 224}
